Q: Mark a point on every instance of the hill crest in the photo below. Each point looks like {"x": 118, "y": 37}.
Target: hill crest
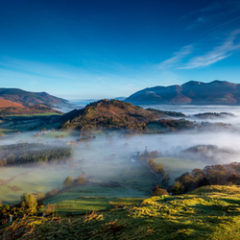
{"x": 109, "y": 114}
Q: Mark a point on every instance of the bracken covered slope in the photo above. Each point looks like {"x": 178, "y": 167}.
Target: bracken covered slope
{"x": 27, "y": 98}
{"x": 16, "y": 102}
{"x": 109, "y": 114}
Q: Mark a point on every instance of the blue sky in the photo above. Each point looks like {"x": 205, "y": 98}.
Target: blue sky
{"x": 111, "y": 48}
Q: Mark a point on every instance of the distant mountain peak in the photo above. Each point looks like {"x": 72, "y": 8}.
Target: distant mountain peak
{"x": 192, "y": 82}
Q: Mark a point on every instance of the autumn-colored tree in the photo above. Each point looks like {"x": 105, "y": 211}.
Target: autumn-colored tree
{"x": 29, "y": 203}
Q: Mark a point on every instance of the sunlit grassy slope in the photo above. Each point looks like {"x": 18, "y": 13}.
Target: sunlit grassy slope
{"x": 207, "y": 213}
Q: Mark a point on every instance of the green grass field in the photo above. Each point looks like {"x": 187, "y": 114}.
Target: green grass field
{"x": 208, "y": 213}
{"x": 91, "y": 197}
{"x": 113, "y": 179}
{"x": 15, "y": 181}
{"x": 85, "y": 204}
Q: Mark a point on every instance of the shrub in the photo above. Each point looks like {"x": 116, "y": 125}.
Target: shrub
{"x": 158, "y": 191}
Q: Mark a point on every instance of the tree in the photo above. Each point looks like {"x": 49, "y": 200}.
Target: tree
{"x": 68, "y": 181}
{"x": 80, "y": 180}
{"x": 177, "y": 188}
{"x": 157, "y": 191}
{"x": 29, "y": 203}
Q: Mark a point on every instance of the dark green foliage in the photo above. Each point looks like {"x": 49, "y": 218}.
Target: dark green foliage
{"x": 23, "y": 153}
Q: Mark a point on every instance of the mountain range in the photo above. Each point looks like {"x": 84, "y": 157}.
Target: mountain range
{"x": 192, "y": 92}
{"x": 17, "y": 101}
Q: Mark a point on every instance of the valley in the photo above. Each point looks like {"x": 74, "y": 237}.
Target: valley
{"x": 113, "y": 155}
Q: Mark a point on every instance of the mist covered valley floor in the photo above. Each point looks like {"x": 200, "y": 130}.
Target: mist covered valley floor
{"x": 111, "y": 168}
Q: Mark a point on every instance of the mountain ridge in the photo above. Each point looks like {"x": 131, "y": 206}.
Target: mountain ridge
{"x": 192, "y": 92}
{"x": 18, "y": 101}
{"x": 28, "y": 98}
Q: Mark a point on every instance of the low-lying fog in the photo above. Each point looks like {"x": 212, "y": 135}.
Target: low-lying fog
{"x": 110, "y": 157}
{"x": 190, "y": 110}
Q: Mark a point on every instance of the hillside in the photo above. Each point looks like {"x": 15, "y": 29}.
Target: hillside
{"x": 109, "y": 114}
{"x": 9, "y": 104}
{"x": 118, "y": 115}
{"x": 216, "y": 92}
{"x": 210, "y": 212}
{"x": 8, "y": 107}
{"x": 29, "y": 99}
{"x": 18, "y": 102}
{"x": 17, "y": 109}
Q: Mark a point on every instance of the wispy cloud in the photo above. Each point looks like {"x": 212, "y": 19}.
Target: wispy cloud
{"x": 217, "y": 54}
{"x": 176, "y": 58}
